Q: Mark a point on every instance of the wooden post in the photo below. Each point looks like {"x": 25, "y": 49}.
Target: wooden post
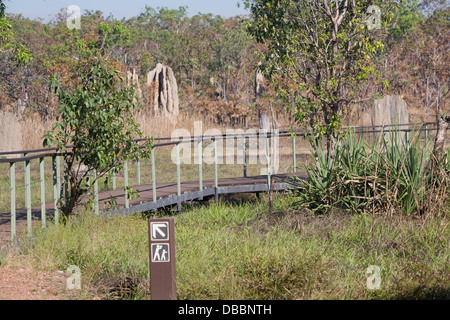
{"x": 42, "y": 182}
{"x": 138, "y": 169}
{"x": 244, "y": 147}
{"x": 28, "y": 195}
{"x": 294, "y": 154}
{"x": 268, "y": 161}
{"x": 200, "y": 166}
{"x": 178, "y": 177}
{"x": 153, "y": 175}
{"x": 125, "y": 175}
{"x": 95, "y": 192}
{"x": 162, "y": 259}
{"x": 13, "y": 200}
{"x": 55, "y": 190}
{"x": 114, "y": 182}
{"x": 216, "y": 174}
{"x": 58, "y": 175}
{"x": 66, "y": 183}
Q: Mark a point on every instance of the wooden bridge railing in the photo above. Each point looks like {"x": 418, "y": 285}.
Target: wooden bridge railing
{"x": 60, "y": 186}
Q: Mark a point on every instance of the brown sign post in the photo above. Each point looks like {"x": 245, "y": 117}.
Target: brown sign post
{"x": 162, "y": 259}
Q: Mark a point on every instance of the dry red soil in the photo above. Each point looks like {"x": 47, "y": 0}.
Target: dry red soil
{"x": 20, "y": 284}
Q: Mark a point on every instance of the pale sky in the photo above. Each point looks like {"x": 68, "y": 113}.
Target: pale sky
{"x": 46, "y": 9}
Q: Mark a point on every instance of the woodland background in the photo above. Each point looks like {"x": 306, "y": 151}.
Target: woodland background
{"x": 215, "y": 62}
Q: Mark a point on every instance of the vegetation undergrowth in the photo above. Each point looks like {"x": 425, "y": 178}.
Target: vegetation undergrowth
{"x": 393, "y": 174}
{"x": 238, "y": 251}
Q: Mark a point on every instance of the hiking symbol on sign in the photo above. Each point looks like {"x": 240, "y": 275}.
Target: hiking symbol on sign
{"x": 160, "y": 231}
{"x": 160, "y": 252}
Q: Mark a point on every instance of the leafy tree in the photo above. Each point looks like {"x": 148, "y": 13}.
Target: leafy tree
{"x": 96, "y": 119}
{"x": 324, "y": 48}
{"x": 7, "y": 43}
{"x": 228, "y": 51}
{"x": 417, "y": 66}
{"x": 112, "y": 36}
{"x": 407, "y": 16}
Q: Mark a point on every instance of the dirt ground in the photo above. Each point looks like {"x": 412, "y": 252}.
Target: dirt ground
{"x": 20, "y": 284}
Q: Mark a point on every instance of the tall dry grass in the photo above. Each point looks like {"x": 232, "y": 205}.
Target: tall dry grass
{"x": 33, "y": 127}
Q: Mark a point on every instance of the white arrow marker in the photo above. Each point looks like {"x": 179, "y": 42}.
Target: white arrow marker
{"x": 156, "y": 228}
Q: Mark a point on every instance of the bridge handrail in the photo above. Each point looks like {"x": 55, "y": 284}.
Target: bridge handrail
{"x": 190, "y": 139}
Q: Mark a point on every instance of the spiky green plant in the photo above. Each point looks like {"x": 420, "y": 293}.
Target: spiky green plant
{"x": 391, "y": 174}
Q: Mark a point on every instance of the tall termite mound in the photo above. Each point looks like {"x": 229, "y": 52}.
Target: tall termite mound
{"x": 163, "y": 92}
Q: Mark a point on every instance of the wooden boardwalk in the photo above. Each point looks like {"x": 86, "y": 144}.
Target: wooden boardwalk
{"x": 166, "y": 194}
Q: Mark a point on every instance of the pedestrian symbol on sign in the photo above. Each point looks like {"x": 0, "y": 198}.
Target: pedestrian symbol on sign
{"x": 160, "y": 252}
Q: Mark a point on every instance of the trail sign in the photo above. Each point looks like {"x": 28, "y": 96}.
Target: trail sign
{"x": 162, "y": 259}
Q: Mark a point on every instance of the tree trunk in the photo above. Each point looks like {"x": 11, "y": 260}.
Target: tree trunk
{"x": 331, "y": 113}
{"x": 70, "y": 206}
{"x": 331, "y": 148}
{"x": 439, "y": 143}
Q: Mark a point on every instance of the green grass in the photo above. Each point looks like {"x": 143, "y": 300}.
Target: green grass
{"x": 238, "y": 251}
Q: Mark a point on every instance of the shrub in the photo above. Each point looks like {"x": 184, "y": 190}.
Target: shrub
{"x": 391, "y": 174}
{"x": 96, "y": 118}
